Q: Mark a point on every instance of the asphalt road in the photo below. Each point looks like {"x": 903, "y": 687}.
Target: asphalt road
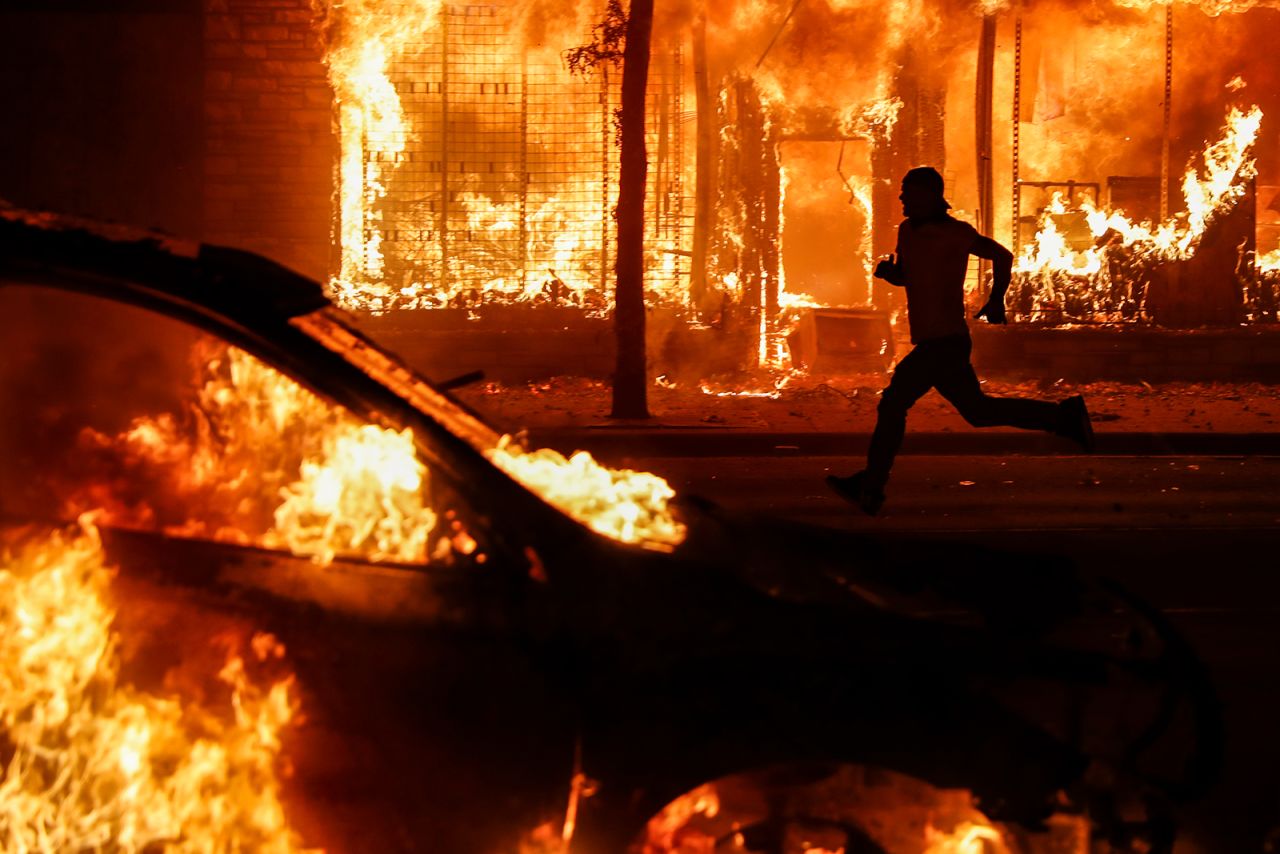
{"x": 1111, "y": 512}
{"x": 1197, "y": 536}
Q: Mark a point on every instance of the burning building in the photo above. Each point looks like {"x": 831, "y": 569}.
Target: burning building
{"x": 452, "y": 177}
{"x": 475, "y": 169}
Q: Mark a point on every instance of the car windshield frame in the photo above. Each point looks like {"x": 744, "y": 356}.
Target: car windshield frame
{"x": 285, "y": 320}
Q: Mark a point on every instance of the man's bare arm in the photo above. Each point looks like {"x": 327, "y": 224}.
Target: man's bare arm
{"x": 1001, "y": 272}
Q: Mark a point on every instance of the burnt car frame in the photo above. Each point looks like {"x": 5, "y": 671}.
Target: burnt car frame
{"x": 467, "y": 704}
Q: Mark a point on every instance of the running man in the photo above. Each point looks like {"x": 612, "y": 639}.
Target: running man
{"x": 931, "y": 260}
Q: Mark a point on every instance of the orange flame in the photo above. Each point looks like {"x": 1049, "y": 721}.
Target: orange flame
{"x": 625, "y": 505}
{"x": 1268, "y": 262}
{"x": 270, "y": 463}
{"x": 100, "y": 765}
{"x": 663, "y": 828}
{"x": 629, "y": 506}
{"x": 966, "y": 838}
{"x": 371, "y": 124}
{"x": 362, "y": 495}
{"x": 1228, "y": 164}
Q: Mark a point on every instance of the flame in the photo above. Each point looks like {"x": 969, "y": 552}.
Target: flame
{"x": 488, "y": 225}
{"x": 787, "y": 300}
{"x": 271, "y": 464}
{"x": 371, "y": 124}
{"x": 1053, "y": 267}
{"x": 862, "y": 194}
{"x": 876, "y": 118}
{"x": 1268, "y": 262}
{"x": 625, "y": 505}
{"x": 781, "y": 381}
{"x": 362, "y": 495}
{"x": 629, "y": 506}
{"x": 1212, "y": 8}
{"x": 966, "y": 838}
{"x": 662, "y": 829}
{"x": 97, "y": 764}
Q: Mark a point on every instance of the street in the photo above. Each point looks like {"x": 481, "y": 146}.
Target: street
{"x": 1108, "y": 512}
{"x": 1197, "y": 536}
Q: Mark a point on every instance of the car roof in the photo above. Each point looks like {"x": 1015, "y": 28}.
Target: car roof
{"x": 240, "y": 285}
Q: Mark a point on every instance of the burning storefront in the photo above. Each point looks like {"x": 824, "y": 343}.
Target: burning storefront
{"x": 475, "y": 171}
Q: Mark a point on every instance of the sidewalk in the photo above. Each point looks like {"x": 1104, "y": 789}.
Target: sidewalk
{"x": 834, "y": 416}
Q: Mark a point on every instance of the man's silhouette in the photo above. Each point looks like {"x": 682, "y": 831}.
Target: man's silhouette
{"x": 931, "y": 260}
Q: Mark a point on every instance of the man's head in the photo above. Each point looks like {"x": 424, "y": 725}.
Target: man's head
{"x": 922, "y": 193}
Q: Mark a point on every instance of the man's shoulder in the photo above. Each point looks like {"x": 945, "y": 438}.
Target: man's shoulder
{"x": 959, "y": 226}
{"x": 945, "y": 222}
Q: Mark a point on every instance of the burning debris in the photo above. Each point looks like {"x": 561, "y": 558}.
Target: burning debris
{"x": 1108, "y": 280}
{"x": 93, "y": 763}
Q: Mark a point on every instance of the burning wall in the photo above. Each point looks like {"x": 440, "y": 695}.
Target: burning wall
{"x": 476, "y": 168}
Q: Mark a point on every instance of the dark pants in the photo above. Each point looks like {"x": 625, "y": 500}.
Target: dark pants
{"x": 943, "y": 363}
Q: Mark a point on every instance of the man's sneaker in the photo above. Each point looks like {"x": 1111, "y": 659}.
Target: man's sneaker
{"x": 1075, "y": 422}
{"x": 856, "y": 490}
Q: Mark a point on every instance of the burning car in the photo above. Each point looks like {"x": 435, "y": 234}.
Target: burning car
{"x": 500, "y": 649}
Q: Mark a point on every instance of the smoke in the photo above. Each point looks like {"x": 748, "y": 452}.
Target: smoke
{"x": 71, "y": 362}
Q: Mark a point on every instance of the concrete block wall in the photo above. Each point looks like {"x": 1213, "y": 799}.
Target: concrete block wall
{"x": 1130, "y": 353}
{"x": 510, "y": 344}
{"x": 270, "y": 150}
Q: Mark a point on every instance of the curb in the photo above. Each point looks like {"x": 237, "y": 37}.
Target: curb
{"x": 657, "y": 441}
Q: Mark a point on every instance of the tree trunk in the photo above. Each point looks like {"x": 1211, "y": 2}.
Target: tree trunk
{"x": 630, "y": 385}
{"x": 704, "y": 193}
{"x": 982, "y": 114}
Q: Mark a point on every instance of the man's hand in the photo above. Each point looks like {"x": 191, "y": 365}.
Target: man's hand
{"x": 887, "y": 269}
{"x": 993, "y": 311}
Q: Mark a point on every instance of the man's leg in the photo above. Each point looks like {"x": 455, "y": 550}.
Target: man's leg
{"x": 913, "y": 376}
{"x": 961, "y": 387}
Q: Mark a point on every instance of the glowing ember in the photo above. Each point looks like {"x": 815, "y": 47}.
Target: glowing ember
{"x": 269, "y": 463}
{"x": 625, "y": 505}
{"x": 97, "y": 765}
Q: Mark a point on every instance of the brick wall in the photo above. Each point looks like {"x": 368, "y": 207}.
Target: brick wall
{"x": 270, "y": 150}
